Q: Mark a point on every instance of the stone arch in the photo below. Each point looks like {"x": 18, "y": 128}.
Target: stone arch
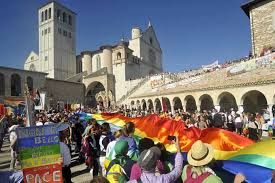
{"x": 254, "y": 101}
{"x": 166, "y": 104}
{"x": 138, "y": 105}
{"x": 177, "y": 103}
{"x": 227, "y": 101}
{"x": 144, "y": 105}
{"x": 2, "y": 84}
{"x": 92, "y": 92}
{"x": 132, "y": 104}
{"x": 15, "y": 85}
{"x": 158, "y": 105}
{"x": 206, "y": 102}
{"x": 118, "y": 56}
{"x": 30, "y": 83}
{"x": 150, "y": 105}
{"x": 190, "y": 103}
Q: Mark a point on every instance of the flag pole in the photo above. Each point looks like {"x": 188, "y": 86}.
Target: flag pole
{"x": 28, "y": 107}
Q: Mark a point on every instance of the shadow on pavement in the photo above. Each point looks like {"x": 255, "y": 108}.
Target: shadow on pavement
{"x": 80, "y": 172}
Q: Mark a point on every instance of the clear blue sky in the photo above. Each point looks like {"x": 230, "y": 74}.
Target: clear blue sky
{"x": 191, "y": 32}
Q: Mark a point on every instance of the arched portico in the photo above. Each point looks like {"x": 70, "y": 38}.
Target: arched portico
{"x": 150, "y": 104}
{"x": 227, "y": 101}
{"x": 15, "y": 85}
{"x": 92, "y": 92}
{"x": 144, "y": 105}
{"x": 177, "y": 103}
{"x": 206, "y": 102}
{"x": 254, "y": 101}
{"x": 166, "y": 104}
{"x": 158, "y": 105}
{"x": 190, "y": 103}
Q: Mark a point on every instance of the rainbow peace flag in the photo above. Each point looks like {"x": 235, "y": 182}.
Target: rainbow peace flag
{"x": 237, "y": 153}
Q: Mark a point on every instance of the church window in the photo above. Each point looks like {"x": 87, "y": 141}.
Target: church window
{"x": 45, "y": 31}
{"x": 151, "y": 40}
{"x": 98, "y": 62}
{"x": 50, "y": 13}
{"x": 46, "y": 58}
{"x": 42, "y": 32}
{"x": 42, "y": 16}
{"x": 58, "y": 14}
{"x": 118, "y": 56}
{"x": 64, "y": 17}
{"x": 70, "y": 19}
{"x": 46, "y": 14}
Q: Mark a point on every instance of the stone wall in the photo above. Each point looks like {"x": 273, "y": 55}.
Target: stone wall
{"x": 64, "y": 91}
{"x": 262, "y": 28}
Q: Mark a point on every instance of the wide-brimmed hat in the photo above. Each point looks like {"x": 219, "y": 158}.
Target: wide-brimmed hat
{"x": 200, "y": 154}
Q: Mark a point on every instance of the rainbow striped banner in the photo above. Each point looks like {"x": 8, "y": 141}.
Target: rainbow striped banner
{"x": 238, "y": 153}
{"x": 39, "y": 152}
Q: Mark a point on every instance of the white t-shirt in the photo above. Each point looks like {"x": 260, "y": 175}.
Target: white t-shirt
{"x": 65, "y": 153}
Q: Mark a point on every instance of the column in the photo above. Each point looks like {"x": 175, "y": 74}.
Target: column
{"x": 172, "y": 108}
{"x": 218, "y": 107}
{"x": 270, "y": 111}
{"x": 240, "y": 108}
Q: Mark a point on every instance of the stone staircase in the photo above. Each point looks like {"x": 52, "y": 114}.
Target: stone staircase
{"x": 135, "y": 88}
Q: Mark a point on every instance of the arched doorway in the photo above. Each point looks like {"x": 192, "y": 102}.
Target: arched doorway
{"x": 166, "y": 104}
{"x": 15, "y": 85}
{"x": 206, "y": 102}
{"x": 150, "y": 105}
{"x": 2, "y": 84}
{"x": 254, "y": 101}
{"x": 30, "y": 83}
{"x": 144, "y": 106}
{"x": 227, "y": 101}
{"x": 177, "y": 103}
{"x": 92, "y": 90}
{"x": 190, "y": 104}
{"x": 158, "y": 105}
{"x": 138, "y": 105}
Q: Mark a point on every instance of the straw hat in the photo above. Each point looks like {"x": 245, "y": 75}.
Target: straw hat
{"x": 200, "y": 154}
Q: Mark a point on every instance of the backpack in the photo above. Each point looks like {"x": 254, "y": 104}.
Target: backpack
{"x": 198, "y": 179}
{"x": 116, "y": 173}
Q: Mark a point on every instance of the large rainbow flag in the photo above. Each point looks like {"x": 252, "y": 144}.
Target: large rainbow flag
{"x": 237, "y": 153}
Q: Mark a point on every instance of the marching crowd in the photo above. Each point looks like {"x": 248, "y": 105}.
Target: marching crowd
{"x": 118, "y": 157}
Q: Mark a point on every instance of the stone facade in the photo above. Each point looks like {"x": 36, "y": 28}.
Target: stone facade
{"x": 66, "y": 92}
{"x": 57, "y": 50}
{"x": 262, "y": 24}
{"x": 37, "y": 79}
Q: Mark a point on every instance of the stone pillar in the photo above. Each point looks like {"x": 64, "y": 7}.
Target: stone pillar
{"x": 198, "y": 108}
{"x": 240, "y": 108}
{"x": 270, "y": 111}
{"x": 217, "y": 107}
{"x": 172, "y": 108}
{"x": 183, "y": 108}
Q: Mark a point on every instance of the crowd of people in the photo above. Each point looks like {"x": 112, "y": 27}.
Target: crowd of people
{"x": 117, "y": 156}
